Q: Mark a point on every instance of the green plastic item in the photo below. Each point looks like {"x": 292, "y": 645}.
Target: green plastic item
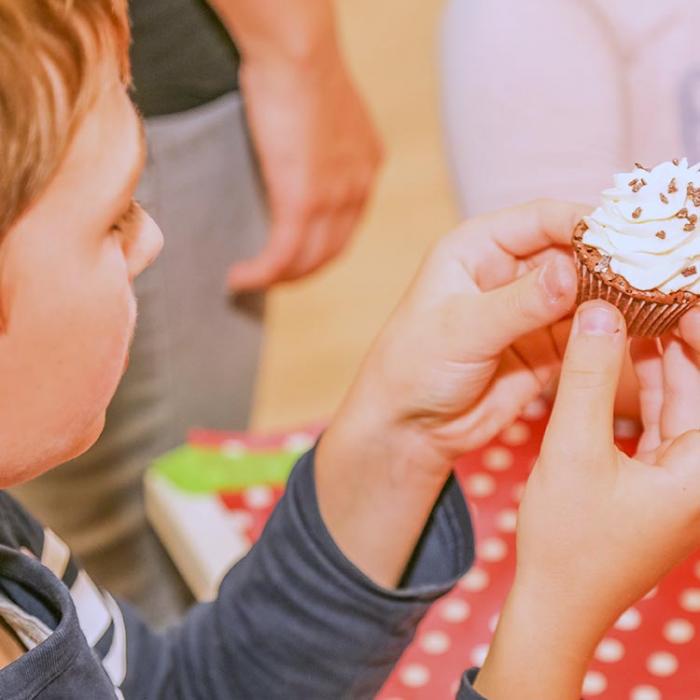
{"x": 207, "y": 470}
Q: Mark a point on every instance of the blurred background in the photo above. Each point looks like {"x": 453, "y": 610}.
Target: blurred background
{"x": 318, "y": 329}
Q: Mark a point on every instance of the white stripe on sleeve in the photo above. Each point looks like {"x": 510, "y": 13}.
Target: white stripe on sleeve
{"x": 115, "y": 661}
{"x": 93, "y": 613}
{"x": 55, "y": 554}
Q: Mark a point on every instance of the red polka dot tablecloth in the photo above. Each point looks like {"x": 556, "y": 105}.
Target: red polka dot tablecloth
{"x": 651, "y": 653}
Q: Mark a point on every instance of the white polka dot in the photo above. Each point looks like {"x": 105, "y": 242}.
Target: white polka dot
{"x": 518, "y": 491}
{"x": 609, "y": 651}
{"x": 258, "y": 496}
{"x": 414, "y": 675}
{"x": 298, "y": 442}
{"x": 492, "y": 549}
{"x": 493, "y": 622}
{"x": 690, "y": 599}
{"x": 241, "y": 519}
{"x": 233, "y": 448}
{"x": 498, "y": 459}
{"x": 507, "y": 520}
{"x": 645, "y": 692}
{"x": 517, "y": 434}
{"x": 662, "y": 663}
{"x": 629, "y": 620}
{"x": 435, "y": 643}
{"x": 479, "y": 654}
{"x": 626, "y": 428}
{"x": 475, "y": 581}
{"x": 652, "y": 593}
{"x": 480, "y": 485}
{"x": 679, "y": 631}
{"x": 594, "y": 683}
{"x": 535, "y": 409}
{"x": 455, "y": 610}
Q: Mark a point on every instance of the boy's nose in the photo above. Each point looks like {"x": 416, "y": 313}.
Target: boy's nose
{"x": 146, "y": 246}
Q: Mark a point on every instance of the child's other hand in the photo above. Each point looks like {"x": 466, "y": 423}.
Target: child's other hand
{"x": 598, "y": 529}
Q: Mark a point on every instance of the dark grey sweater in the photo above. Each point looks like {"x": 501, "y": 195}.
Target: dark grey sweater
{"x": 182, "y": 56}
{"x": 294, "y": 618}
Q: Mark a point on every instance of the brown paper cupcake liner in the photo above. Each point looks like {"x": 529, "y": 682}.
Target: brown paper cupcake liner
{"x": 647, "y": 313}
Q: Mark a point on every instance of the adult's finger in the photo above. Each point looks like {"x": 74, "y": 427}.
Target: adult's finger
{"x": 494, "y": 320}
{"x": 581, "y": 425}
{"x": 272, "y": 264}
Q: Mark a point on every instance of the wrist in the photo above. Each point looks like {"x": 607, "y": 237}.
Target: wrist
{"x": 301, "y": 40}
{"x": 541, "y": 649}
{"x": 376, "y": 486}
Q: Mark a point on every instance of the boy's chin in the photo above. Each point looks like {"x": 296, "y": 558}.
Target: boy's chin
{"x": 30, "y": 464}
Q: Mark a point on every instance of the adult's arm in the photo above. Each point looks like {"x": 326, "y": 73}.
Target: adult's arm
{"x": 316, "y": 144}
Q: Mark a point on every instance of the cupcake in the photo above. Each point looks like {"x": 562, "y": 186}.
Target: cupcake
{"x": 640, "y": 250}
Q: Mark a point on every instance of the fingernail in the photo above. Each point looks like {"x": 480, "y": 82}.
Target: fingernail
{"x": 557, "y": 278}
{"x": 597, "y": 319}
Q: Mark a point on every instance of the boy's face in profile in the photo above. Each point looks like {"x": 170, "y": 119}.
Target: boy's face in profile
{"x": 67, "y": 310}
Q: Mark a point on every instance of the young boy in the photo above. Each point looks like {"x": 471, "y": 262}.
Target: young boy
{"x": 372, "y": 527}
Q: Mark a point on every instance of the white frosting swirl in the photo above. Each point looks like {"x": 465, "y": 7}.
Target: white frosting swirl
{"x": 639, "y": 227}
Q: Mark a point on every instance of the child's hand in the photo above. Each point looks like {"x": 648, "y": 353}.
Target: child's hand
{"x": 469, "y": 345}
{"x": 597, "y": 529}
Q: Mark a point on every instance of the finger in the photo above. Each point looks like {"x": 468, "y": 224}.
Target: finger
{"x": 689, "y": 328}
{"x": 491, "y": 243}
{"x": 496, "y": 319}
{"x": 648, "y": 367}
{"x": 328, "y": 235}
{"x": 511, "y": 389}
{"x": 581, "y": 425}
{"x": 681, "y": 389}
{"x": 271, "y": 265}
{"x": 683, "y": 455}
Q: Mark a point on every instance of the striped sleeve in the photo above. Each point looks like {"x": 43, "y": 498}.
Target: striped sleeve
{"x": 99, "y": 615}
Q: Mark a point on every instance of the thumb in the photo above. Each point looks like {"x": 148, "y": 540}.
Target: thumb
{"x": 581, "y": 424}
{"x": 271, "y": 264}
{"x": 533, "y": 301}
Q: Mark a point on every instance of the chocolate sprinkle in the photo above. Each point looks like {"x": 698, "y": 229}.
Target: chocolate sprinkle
{"x": 689, "y": 227}
{"x": 660, "y": 234}
{"x": 689, "y": 271}
{"x": 676, "y": 161}
{"x": 682, "y": 214}
{"x": 663, "y": 197}
{"x": 637, "y": 213}
{"x": 641, "y": 167}
{"x": 672, "y": 186}
{"x": 694, "y": 193}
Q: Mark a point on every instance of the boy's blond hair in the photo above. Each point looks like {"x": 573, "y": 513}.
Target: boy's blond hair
{"x": 50, "y": 57}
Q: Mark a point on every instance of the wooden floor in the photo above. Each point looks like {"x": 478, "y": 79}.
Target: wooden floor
{"x": 318, "y": 330}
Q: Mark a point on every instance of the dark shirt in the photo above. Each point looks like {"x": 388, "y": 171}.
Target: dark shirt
{"x": 294, "y": 618}
{"x": 182, "y": 56}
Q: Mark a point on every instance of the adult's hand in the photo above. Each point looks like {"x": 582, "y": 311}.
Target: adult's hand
{"x": 319, "y": 154}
